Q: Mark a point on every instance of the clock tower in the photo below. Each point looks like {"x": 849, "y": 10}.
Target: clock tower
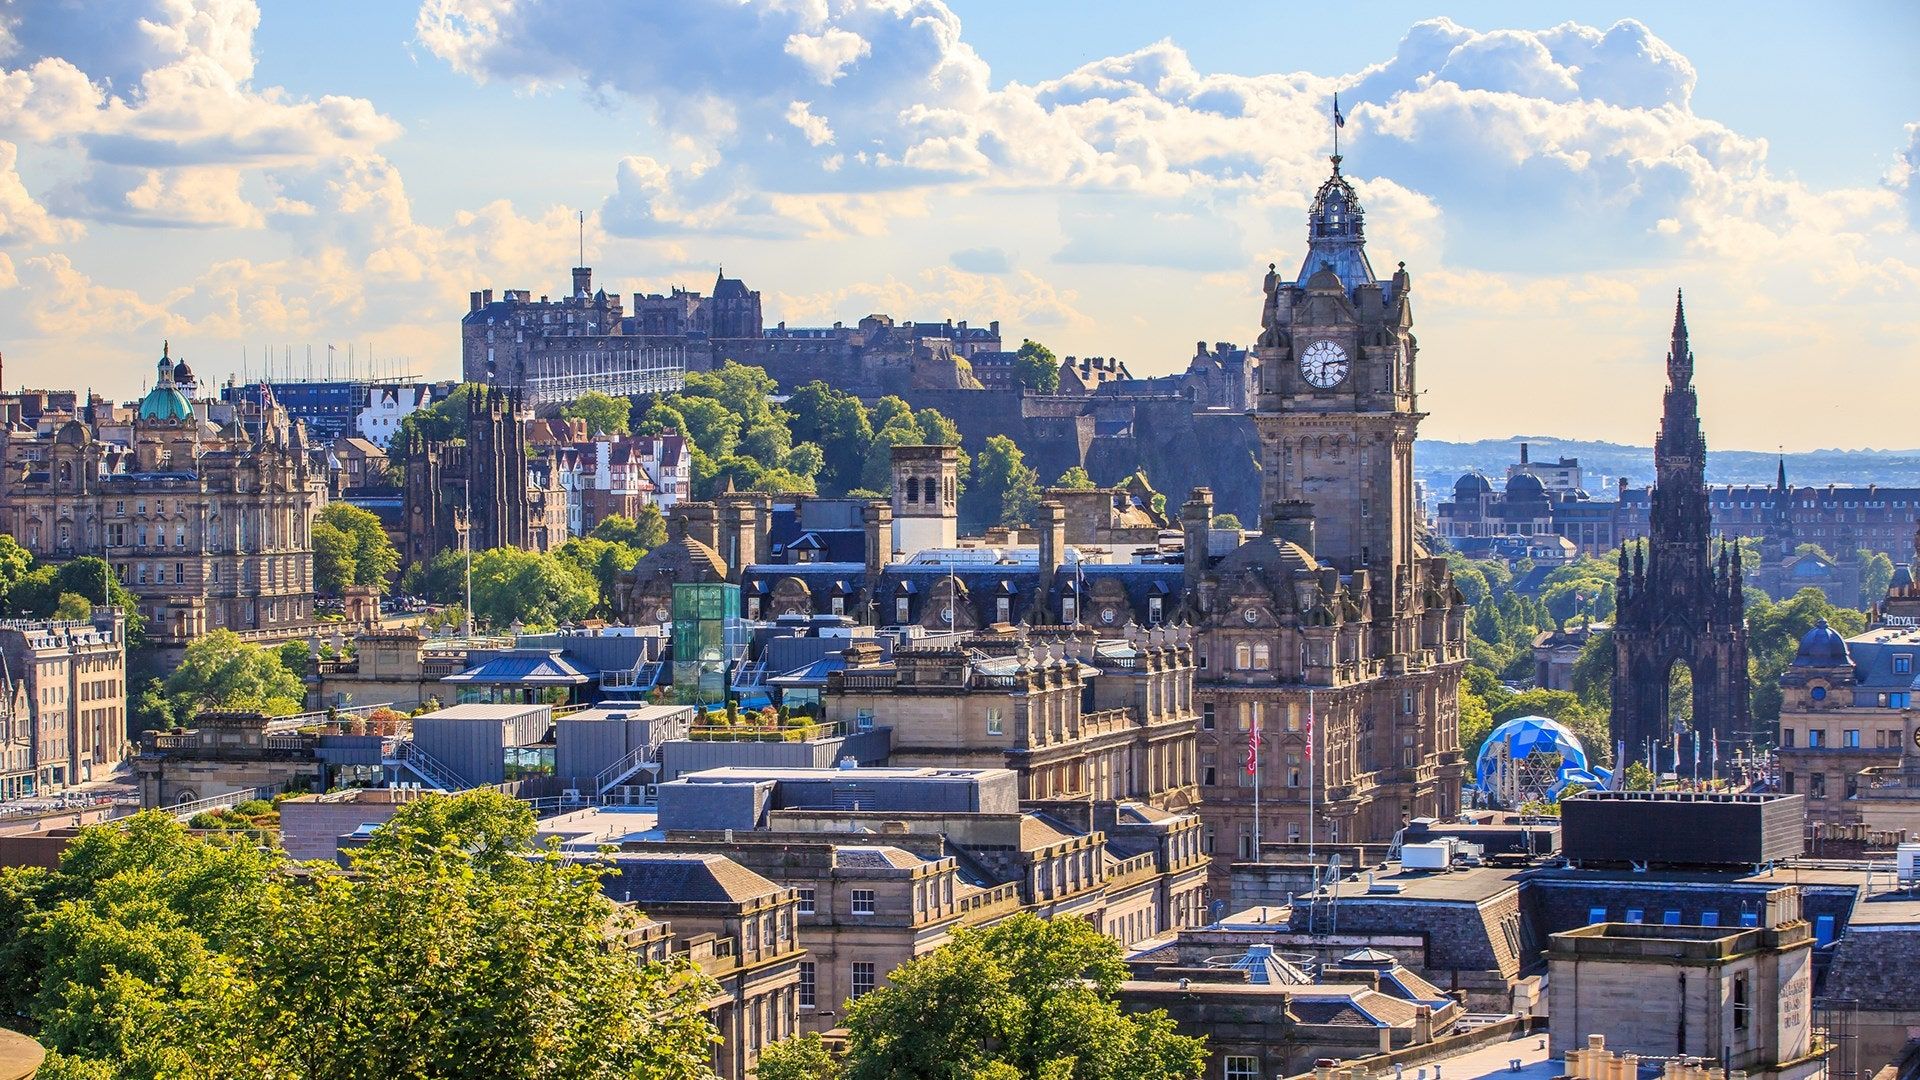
{"x": 1337, "y": 410}
{"x": 1331, "y": 644}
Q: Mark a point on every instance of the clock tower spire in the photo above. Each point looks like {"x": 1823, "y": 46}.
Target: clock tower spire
{"x": 1336, "y": 409}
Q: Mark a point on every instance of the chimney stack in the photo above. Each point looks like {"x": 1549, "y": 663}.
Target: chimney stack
{"x": 1196, "y": 523}
{"x": 1052, "y": 522}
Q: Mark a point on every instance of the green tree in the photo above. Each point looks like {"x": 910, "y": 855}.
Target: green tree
{"x": 453, "y": 949}
{"x": 1025, "y": 998}
{"x": 744, "y": 390}
{"x": 221, "y": 672}
{"x": 839, "y": 425}
{"x": 443, "y": 421}
{"x": 1076, "y": 479}
{"x": 441, "y": 579}
{"x": 1005, "y": 490}
{"x": 604, "y": 413}
{"x": 890, "y": 409}
{"x": 1036, "y": 368}
{"x": 1876, "y": 574}
{"x": 351, "y": 547}
{"x": 803, "y": 1057}
{"x": 603, "y": 562}
{"x": 15, "y": 561}
{"x": 644, "y": 533}
{"x": 536, "y": 589}
{"x": 878, "y": 472}
{"x": 1227, "y": 521}
{"x": 661, "y": 417}
{"x": 710, "y": 424}
{"x": 1812, "y": 549}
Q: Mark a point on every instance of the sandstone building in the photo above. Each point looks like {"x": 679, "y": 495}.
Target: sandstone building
{"x": 1333, "y": 638}
{"x": 208, "y": 524}
{"x": 65, "y": 702}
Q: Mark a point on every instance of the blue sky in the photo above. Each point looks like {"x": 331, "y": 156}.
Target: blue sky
{"x": 1109, "y": 178}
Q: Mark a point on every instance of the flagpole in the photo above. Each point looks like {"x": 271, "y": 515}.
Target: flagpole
{"x": 1310, "y": 825}
{"x": 1253, "y": 751}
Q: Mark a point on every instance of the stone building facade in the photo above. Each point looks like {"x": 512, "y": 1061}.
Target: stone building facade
{"x": 1333, "y": 638}
{"x": 485, "y": 484}
{"x": 1073, "y": 717}
{"x": 1677, "y": 602}
{"x": 65, "y": 685}
{"x": 208, "y": 524}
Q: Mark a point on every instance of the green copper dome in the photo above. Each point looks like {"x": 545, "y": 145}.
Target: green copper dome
{"x": 165, "y": 401}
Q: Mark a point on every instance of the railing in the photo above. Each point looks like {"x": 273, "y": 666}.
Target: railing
{"x": 426, "y": 766}
{"x": 636, "y": 759}
{"x": 187, "y": 810}
{"x": 1132, "y": 871}
{"x": 323, "y": 717}
{"x": 865, "y": 681}
{"x": 1104, "y": 721}
{"x": 640, "y": 676}
{"x": 54, "y": 804}
{"x": 809, "y": 732}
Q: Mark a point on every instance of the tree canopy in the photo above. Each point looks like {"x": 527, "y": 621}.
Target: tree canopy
{"x": 1005, "y": 490}
{"x": 1036, "y": 368}
{"x": 454, "y": 949}
{"x": 221, "y": 672}
{"x": 351, "y": 547}
{"x": 604, "y": 413}
{"x": 1025, "y": 998}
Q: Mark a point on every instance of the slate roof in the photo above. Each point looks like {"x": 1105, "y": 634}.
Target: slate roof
{"x": 682, "y": 879}
{"x": 525, "y": 667}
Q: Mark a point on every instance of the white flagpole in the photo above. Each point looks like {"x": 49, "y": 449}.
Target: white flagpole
{"x": 1253, "y": 751}
{"x": 1310, "y": 822}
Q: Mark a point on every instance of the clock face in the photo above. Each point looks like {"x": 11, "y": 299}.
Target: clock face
{"x": 1323, "y": 364}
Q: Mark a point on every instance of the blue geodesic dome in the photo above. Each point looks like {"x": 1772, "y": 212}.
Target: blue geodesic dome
{"x": 1520, "y": 738}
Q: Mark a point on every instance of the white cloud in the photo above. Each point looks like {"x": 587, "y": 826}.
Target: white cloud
{"x": 815, "y": 128}
{"x": 22, "y": 220}
{"x": 826, "y": 55}
{"x": 154, "y": 99}
{"x": 1904, "y": 174}
{"x": 1020, "y": 299}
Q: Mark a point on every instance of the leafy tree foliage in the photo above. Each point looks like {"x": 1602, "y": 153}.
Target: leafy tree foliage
{"x": 34, "y": 590}
{"x": 455, "y": 949}
{"x": 1005, "y": 489}
{"x": 603, "y": 562}
{"x": 1876, "y": 574}
{"x": 1227, "y": 521}
{"x": 646, "y": 532}
{"x": 220, "y": 672}
{"x": 536, "y": 589}
{"x": 350, "y": 547}
{"x": 1036, "y": 368}
{"x": 803, "y": 1057}
{"x": 442, "y": 421}
{"x": 604, "y": 414}
{"x": 838, "y": 424}
{"x": 1025, "y": 998}
{"x": 1075, "y": 478}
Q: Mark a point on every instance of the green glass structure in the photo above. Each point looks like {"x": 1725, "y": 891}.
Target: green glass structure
{"x": 707, "y": 638}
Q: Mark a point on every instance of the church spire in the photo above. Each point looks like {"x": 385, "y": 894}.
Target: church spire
{"x": 1680, "y": 357}
{"x": 1781, "y": 484}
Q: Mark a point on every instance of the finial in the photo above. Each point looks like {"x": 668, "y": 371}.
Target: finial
{"x": 164, "y": 346}
{"x": 1679, "y": 313}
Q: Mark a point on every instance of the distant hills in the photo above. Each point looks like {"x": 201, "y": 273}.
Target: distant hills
{"x": 1440, "y": 463}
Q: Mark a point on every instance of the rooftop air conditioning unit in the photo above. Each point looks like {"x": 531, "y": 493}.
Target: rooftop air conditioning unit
{"x": 1434, "y": 856}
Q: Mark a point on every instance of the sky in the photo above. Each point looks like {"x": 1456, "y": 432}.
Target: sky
{"x": 1108, "y": 178}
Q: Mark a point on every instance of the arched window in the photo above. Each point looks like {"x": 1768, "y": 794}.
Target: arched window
{"x": 913, "y": 489}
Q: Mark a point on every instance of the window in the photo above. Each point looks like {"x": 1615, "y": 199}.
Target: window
{"x": 753, "y": 935}
{"x": 1709, "y": 918}
{"x": 862, "y": 978}
{"x": 1742, "y": 1004}
{"x": 1850, "y": 738}
{"x": 1241, "y": 1067}
{"x": 1406, "y": 702}
{"x": 1242, "y": 656}
{"x": 837, "y": 605}
{"x": 1069, "y": 610}
{"x": 994, "y": 724}
{"x": 902, "y": 608}
{"x": 863, "y": 901}
{"x": 1817, "y": 786}
{"x": 1786, "y": 735}
{"x": 1209, "y": 776}
{"x": 1815, "y": 737}
{"x": 1262, "y": 659}
{"x": 1670, "y": 917}
{"x": 1636, "y": 915}
{"x": 863, "y": 720}
{"x": 1903, "y": 663}
{"x": 806, "y": 984}
{"x": 1154, "y": 609}
{"x": 1596, "y": 915}
{"x": 1002, "y": 609}
{"x": 1206, "y": 716}
{"x": 1819, "y": 693}
{"x": 806, "y": 900}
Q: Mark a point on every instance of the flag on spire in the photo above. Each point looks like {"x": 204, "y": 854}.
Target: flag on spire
{"x": 1253, "y": 753}
{"x": 1338, "y": 119}
{"x": 1309, "y": 727}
